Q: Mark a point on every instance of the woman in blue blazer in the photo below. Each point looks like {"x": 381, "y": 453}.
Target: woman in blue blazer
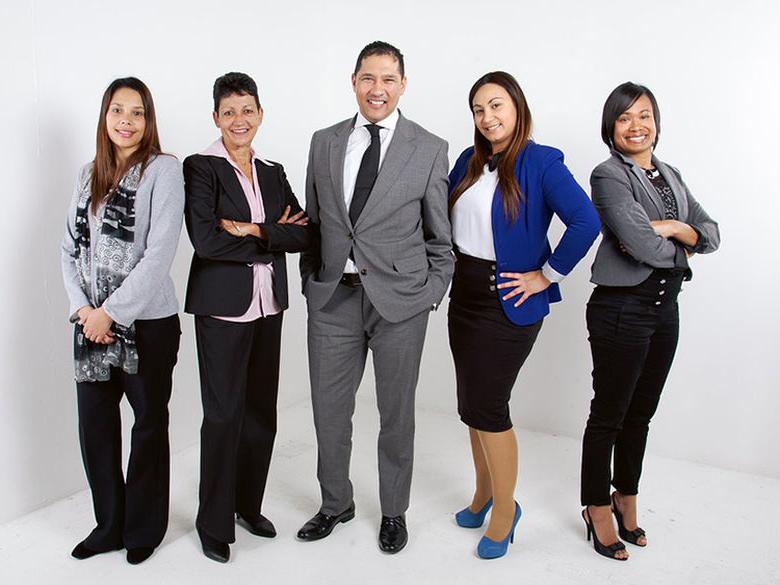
{"x": 503, "y": 193}
{"x": 652, "y": 224}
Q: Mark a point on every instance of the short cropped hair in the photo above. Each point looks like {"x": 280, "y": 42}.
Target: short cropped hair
{"x": 234, "y": 84}
{"x": 380, "y": 48}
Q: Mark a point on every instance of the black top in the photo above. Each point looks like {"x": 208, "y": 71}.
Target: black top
{"x": 665, "y": 192}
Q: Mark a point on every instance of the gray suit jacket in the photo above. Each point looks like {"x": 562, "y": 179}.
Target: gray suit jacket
{"x": 626, "y": 202}
{"x": 401, "y": 242}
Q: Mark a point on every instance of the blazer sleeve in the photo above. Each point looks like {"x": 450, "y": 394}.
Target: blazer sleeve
{"x": 287, "y": 237}
{"x": 567, "y": 199}
{"x": 76, "y": 297}
{"x": 311, "y": 256}
{"x": 705, "y": 226}
{"x": 208, "y": 239}
{"x": 436, "y": 226}
{"x": 628, "y": 220}
{"x": 143, "y": 283}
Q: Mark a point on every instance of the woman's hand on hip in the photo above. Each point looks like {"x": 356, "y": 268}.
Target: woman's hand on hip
{"x": 524, "y": 284}
{"x": 97, "y": 325}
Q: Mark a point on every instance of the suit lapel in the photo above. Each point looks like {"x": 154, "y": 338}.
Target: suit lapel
{"x": 227, "y": 177}
{"x": 650, "y": 191}
{"x": 675, "y": 186}
{"x": 337, "y": 151}
{"x": 652, "y": 194}
{"x": 398, "y": 154}
{"x": 270, "y": 196}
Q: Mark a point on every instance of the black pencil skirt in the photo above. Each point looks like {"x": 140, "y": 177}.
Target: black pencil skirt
{"x": 487, "y": 348}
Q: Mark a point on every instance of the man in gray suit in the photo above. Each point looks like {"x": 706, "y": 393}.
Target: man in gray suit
{"x": 376, "y": 187}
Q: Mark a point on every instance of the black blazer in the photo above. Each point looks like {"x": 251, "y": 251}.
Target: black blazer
{"x": 221, "y": 274}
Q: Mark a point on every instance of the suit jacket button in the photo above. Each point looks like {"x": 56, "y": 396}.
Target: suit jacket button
{"x": 363, "y": 271}
{"x": 492, "y": 288}
{"x": 350, "y": 236}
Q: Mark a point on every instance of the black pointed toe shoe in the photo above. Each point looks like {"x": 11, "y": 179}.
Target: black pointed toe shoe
{"x": 258, "y": 525}
{"x": 214, "y": 549}
{"x": 81, "y": 551}
{"x": 136, "y": 556}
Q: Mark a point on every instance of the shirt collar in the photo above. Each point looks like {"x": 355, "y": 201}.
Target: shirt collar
{"x": 630, "y": 161}
{"x": 388, "y": 122}
{"x": 217, "y": 148}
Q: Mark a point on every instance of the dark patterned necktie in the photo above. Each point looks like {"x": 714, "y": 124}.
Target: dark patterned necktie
{"x": 366, "y": 176}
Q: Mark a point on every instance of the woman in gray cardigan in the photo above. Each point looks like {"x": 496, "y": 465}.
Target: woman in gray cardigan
{"x": 122, "y": 233}
{"x": 651, "y": 227}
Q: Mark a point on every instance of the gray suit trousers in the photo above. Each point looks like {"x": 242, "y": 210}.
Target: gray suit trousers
{"x": 340, "y": 335}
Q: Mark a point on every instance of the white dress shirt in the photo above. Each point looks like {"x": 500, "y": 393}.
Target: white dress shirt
{"x": 472, "y": 222}
{"x": 357, "y": 144}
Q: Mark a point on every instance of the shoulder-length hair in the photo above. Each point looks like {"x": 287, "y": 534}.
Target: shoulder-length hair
{"x": 623, "y": 97}
{"x": 511, "y": 194}
{"x": 107, "y": 171}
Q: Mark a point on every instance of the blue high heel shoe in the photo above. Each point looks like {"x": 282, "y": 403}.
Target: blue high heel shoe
{"x": 492, "y": 549}
{"x": 468, "y": 519}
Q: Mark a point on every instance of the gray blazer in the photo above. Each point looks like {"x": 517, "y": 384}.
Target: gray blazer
{"x": 148, "y": 291}
{"x": 626, "y": 202}
{"x": 401, "y": 242}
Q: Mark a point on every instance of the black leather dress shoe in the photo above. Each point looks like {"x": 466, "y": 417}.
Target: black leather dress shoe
{"x": 136, "y": 556}
{"x": 323, "y": 524}
{"x": 393, "y": 535}
{"x": 214, "y": 549}
{"x": 259, "y": 525}
{"x": 81, "y": 552}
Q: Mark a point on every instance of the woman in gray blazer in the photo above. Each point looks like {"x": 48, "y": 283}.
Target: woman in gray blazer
{"x": 123, "y": 228}
{"x": 652, "y": 225}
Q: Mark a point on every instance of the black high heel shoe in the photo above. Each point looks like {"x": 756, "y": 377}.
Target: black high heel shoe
{"x": 607, "y": 551}
{"x": 631, "y": 536}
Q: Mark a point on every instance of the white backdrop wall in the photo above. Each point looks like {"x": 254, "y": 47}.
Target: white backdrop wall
{"x": 711, "y": 64}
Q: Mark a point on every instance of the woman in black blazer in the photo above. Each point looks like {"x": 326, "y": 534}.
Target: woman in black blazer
{"x": 242, "y": 217}
{"x": 651, "y": 226}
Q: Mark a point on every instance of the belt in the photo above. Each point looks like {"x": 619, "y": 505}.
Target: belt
{"x": 351, "y": 280}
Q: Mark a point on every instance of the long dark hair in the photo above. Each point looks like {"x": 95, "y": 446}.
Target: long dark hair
{"x": 623, "y": 97}
{"x": 510, "y": 189}
{"x": 107, "y": 171}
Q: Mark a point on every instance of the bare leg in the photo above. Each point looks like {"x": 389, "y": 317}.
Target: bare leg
{"x": 484, "y": 489}
{"x": 501, "y": 457}
{"x": 627, "y": 507}
{"x": 601, "y": 516}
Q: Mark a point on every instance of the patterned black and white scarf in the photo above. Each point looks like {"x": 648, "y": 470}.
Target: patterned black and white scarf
{"x": 102, "y": 274}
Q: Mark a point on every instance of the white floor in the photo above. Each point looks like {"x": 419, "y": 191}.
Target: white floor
{"x": 705, "y": 525}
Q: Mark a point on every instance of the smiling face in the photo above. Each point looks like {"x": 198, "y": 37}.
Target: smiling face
{"x": 635, "y": 131}
{"x": 495, "y": 115}
{"x": 238, "y": 119}
{"x": 378, "y": 86}
{"x": 126, "y": 121}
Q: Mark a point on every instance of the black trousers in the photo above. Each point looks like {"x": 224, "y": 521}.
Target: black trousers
{"x": 132, "y": 513}
{"x": 633, "y": 338}
{"x": 239, "y": 383}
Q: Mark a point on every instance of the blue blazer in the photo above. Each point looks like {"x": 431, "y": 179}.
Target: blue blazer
{"x": 522, "y": 246}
